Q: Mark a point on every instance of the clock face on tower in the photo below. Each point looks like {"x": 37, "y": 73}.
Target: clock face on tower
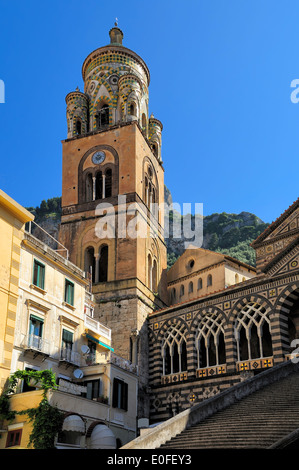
{"x": 98, "y": 157}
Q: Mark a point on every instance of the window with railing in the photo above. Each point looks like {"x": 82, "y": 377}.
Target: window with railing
{"x": 36, "y": 325}
{"x": 67, "y": 345}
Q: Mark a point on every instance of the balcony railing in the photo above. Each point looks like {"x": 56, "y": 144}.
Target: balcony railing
{"x": 70, "y": 356}
{"x": 36, "y": 343}
{"x": 123, "y": 363}
{"x": 97, "y": 327}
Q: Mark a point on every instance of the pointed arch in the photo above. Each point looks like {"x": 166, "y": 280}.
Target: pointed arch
{"x": 174, "y": 348}
{"x": 252, "y": 327}
{"x": 210, "y": 339}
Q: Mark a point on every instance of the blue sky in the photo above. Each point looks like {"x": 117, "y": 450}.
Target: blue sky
{"x": 221, "y": 74}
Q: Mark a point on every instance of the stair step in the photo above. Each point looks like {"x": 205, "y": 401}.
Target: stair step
{"x": 256, "y": 421}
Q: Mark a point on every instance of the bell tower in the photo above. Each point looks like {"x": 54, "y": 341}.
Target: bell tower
{"x": 113, "y": 197}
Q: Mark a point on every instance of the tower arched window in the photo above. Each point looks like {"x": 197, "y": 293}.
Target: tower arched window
{"x": 210, "y": 343}
{"x": 199, "y": 284}
{"x": 253, "y": 333}
{"x": 149, "y": 271}
{"x": 103, "y": 263}
{"x": 133, "y": 109}
{"x": 150, "y": 192}
{"x": 155, "y": 149}
{"x": 102, "y": 117}
{"x": 89, "y": 262}
{"x": 146, "y": 191}
{"x": 78, "y": 127}
{"x": 108, "y": 183}
{"x": 88, "y": 188}
{"x": 155, "y": 276}
{"x": 99, "y": 185}
{"x": 190, "y": 289}
{"x": 209, "y": 280}
{"x": 174, "y": 350}
{"x": 143, "y": 123}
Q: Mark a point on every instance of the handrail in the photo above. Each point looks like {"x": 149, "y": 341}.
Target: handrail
{"x": 48, "y": 234}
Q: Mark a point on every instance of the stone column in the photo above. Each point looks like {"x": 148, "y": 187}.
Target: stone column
{"x": 103, "y": 186}
{"x": 93, "y": 188}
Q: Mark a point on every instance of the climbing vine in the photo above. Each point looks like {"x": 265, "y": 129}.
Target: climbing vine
{"x": 46, "y": 419}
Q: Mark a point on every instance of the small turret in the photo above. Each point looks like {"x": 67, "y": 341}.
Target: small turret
{"x": 76, "y": 113}
{"x": 155, "y": 136}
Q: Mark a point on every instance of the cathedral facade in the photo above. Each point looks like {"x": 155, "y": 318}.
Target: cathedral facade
{"x": 203, "y": 346}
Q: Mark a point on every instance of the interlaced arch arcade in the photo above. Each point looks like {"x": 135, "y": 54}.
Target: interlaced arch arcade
{"x": 209, "y": 341}
{"x": 236, "y": 333}
{"x": 174, "y": 350}
{"x": 252, "y": 333}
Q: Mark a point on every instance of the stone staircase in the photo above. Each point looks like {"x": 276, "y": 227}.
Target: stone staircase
{"x": 258, "y": 421}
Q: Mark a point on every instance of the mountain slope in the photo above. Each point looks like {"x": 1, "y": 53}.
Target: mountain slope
{"x": 226, "y": 233}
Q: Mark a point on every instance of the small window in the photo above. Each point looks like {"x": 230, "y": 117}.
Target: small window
{"x": 199, "y": 284}
{"x": 120, "y": 394}
{"x": 38, "y": 274}
{"x": 69, "y": 292}
{"x": 133, "y": 111}
{"x": 182, "y": 290}
{"x": 14, "y": 438}
{"x": 93, "y": 389}
{"x": 78, "y": 127}
{"x": 35, "y": 332}
{"x": 190, "y": 287}
{"x": 67, "y": 339}
{"x": 102, "y": 117}
{"x": 210, "y": 280}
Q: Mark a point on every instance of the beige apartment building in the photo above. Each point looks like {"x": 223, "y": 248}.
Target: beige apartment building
{"x": 55, "y": 330}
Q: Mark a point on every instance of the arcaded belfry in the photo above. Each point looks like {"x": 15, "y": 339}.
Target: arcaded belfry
{"x": 113, "y": 148}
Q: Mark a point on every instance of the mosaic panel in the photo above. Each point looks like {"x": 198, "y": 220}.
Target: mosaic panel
{"x": 210, "y": 371}
{"x": 174, "y": 378}
{"x": 255, "y": 364}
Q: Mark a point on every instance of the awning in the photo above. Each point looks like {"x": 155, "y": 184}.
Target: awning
{"x": 102, "y": 438}
{"x": 98, "y": 342}
{"x": 73, "y": 423}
